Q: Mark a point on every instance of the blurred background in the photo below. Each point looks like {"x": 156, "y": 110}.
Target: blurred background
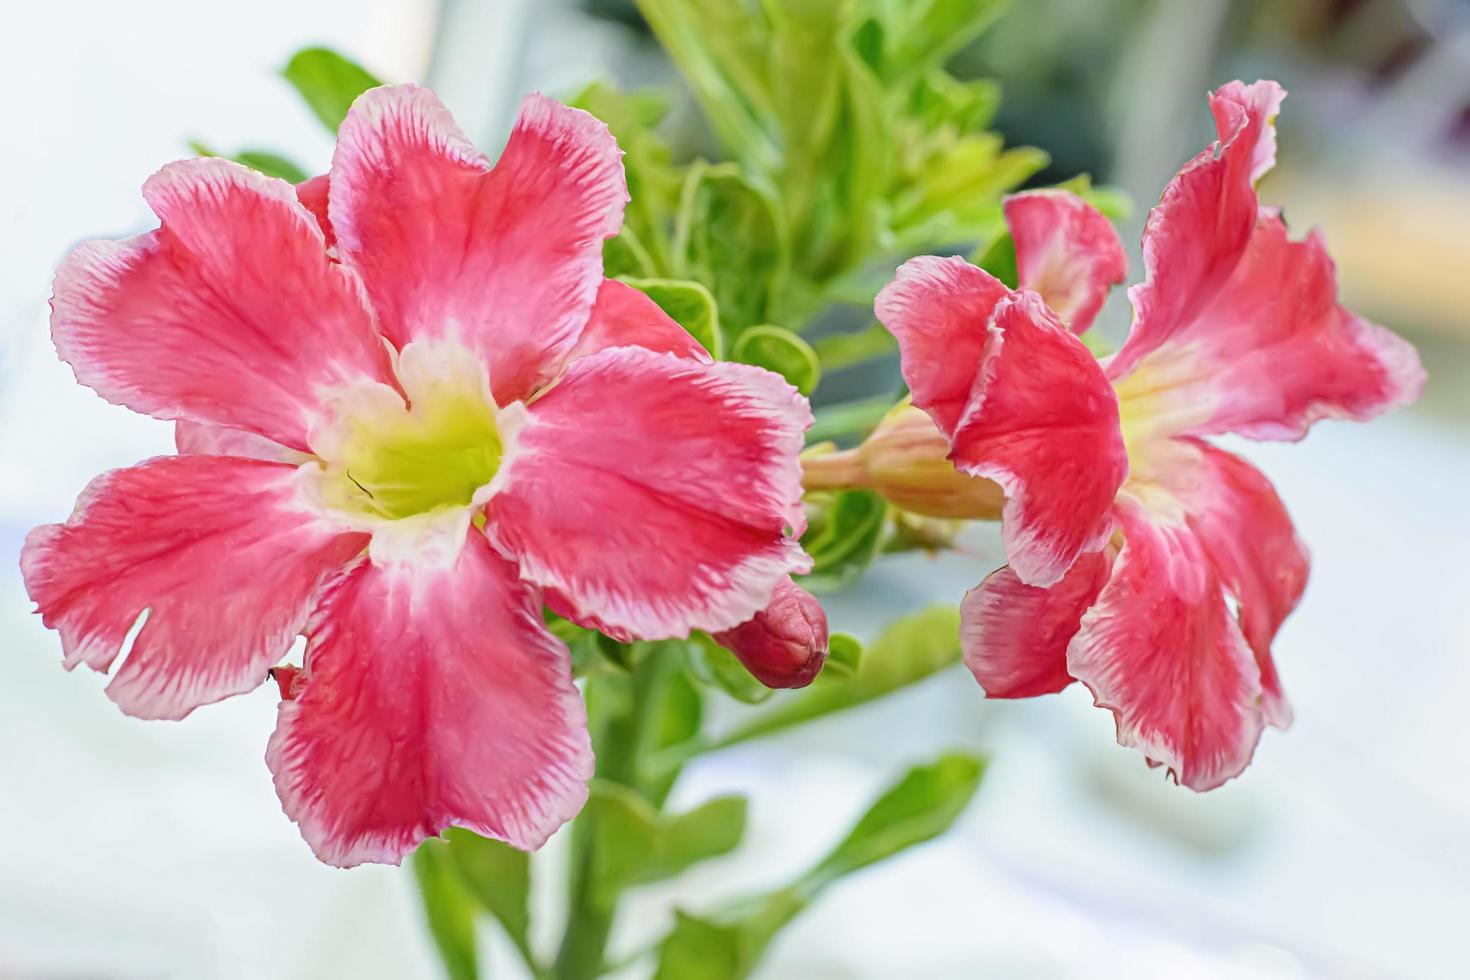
{"x": 131, "y": 849}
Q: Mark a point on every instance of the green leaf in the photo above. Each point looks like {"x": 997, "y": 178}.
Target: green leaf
{"x": 912, "y": 648}
{"x": 727, "y": 947}
{"x": 722, "y": 49}
{"x": 729, "y": 238}
{"x": 264, "y": 161}
{"x": 449, "y": 909}
{"x": 844, "y": 654}
{"x": 854, "y": 418}
{"x": 918, "y": 808}
{"x": 328, "y": 82}
{"x": 999, "y": 259}
{"x": 499, "y": 877}
{"x": 782, "y": 351}
{"x": 718, "y": 667}
{"x": 653, "y": 181}
{"x": 843, "y": 538}
{"x": 839, "y": 350}
{"x": 927, "y": 32}
{"x": 728, "y": 944}
{"x": 634, "y": 844}
{"x": 689, "y": 304}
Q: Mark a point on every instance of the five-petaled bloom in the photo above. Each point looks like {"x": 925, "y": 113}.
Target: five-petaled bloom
{"x": 409, "y": 409}
{"x": 1144, "y": 562}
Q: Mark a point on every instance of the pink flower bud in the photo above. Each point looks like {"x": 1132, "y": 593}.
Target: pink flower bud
{"x": 786, "y": 644}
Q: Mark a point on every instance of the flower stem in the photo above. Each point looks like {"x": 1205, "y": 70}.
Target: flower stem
{"x": 630, "y": 708}
{"x": 833, "y": 471}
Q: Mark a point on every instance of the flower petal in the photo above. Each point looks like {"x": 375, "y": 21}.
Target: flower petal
{"x": 312, "y": 193}
{"x": 1271, "y": 353}
{"x": 506, "y": 260}
{"x": 1162, "y": 652}
{"x": 652, "y": 493}
{"x": 625, "y": 317}
{"x": 202, "y": 439}
{"x": 938, "y": 309}
{"x": 1246, "y": 533}
{"x": 1196, "y": 235}
{"x": 433, "y": 698}
{"x": 1067, "y": 251}
{"x": 1015, "y": 635}
{"x": 219, "y": 553}
{"x": 229, "y": 313}
{"x": 1043, "y": 423}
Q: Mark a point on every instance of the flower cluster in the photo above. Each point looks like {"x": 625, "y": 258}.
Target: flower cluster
{"x": 1144, "y": 562}
{"x": 413, "y": 416}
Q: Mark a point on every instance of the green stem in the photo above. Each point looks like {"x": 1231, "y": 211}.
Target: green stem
{"x": 624, "y": 741}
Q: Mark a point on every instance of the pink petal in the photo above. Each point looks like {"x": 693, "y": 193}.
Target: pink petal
{"x": 312, "y": 193}
{"x": 1015, "y": 635}
{"x": 202, "y": 439}
{"x": 1247, "y": 536}
{"x": 1196, "y": 235}
{"x": 626, "y": 317}
{"x": 1043, "y": 423}
{"x": 506, "y": 260}
{"x": 1272, "y": 352}
{"x": 229, "y": 313}
{"x": 652, "y": 493}
{"x": 434, "y": 697}
{"x": 938, "y": 309}
{"x": 1237, "y": 105}
{"x": 1067, "y": 251}
{"x": 1162, "y": 652}
{"x": 217, "y": 551}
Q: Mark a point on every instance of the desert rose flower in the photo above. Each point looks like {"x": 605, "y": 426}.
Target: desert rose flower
{"x": 785, "y": 644}
{"x": 1143, "y": 561}
{"x": 409, "y": 407}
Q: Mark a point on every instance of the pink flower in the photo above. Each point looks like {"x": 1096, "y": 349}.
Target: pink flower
{"x": 1145, "y": 562}
{"x": 785, "y": 644}
{"x": 407, "y": 403}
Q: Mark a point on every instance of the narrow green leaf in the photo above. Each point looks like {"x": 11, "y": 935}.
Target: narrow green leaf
{"x": 499, "y": 877}
{"x": 840, "y": 350}
{"x": 843, "y": 538}
{"x": 844, "y": 654}
{"x": 635, "y": 844}
{"x": 449, "y": 909}
{"x": 698, "y": 949}
{"x": 689, "y": 304}
{"x": 927, "y": 32}
{"x": 728, "y": 946}
{"x": 728, "y": 237}
{"x": 718, "y": 667}
{"x": 854, "y": 418}
{"x": 912, "y": 648}
{"x": 919, "y": 807}
{"x": 328, "y": 82}
{"x": 264, "y": 161}
{"x": 780, "y": 350}
{"x": 711, "y": 829}
{"x": 999, "y": 259}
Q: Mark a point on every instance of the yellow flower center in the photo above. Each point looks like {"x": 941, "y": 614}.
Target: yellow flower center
{"x": 387, "y": 460}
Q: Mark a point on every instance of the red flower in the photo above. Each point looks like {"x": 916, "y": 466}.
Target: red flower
{"x": 407, "y": 403}
{"x": 1145, "y": 562}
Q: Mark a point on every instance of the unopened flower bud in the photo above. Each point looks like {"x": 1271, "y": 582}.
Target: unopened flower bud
{"x": 906, "y": 460}
{"x": 785, "y": 645}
